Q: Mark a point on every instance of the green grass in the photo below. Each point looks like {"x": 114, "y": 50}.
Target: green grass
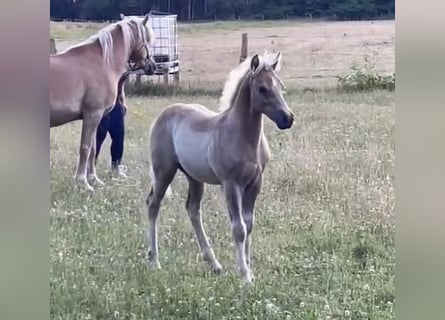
{"x": 235, "y": 25}
{"x": 74, "y": 31}
{"x": 323, "y": 243}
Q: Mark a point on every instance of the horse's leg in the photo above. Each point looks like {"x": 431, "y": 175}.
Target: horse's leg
{"x": 162, "y": 176}
{"x": 233, "y": 196}
{"x": 101, "y": 134}
{"x": 92, "y": 176}
{"x": 89, "y": 125}
{"x": 249, "y": 198}
{"x": 193, "y": 206}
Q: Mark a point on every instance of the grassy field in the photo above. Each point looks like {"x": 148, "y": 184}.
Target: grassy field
{"x": 313, "y": 53}
{"x": 323, "y": 243}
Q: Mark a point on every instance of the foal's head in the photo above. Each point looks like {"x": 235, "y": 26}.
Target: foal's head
{"x": 266, "y": 90}
{"x": 141, "y": 56}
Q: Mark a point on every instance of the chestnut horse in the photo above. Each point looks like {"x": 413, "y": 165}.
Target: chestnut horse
{"x": 83, "y": 82}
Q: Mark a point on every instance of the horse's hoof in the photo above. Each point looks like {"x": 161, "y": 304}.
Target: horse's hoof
{"x": 85, "y": 187}
{"x": 96, "y": 181}
{"x": 99, "y": 182}
{"x": 83, "y": 184}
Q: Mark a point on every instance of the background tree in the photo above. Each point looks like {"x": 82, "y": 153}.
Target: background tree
{"x": 227, "y": 9}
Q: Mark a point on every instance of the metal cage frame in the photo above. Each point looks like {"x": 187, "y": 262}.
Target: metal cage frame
{"x": 165, "y": 49}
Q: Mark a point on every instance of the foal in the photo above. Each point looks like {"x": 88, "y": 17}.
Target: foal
{"x": 227, "y": 148}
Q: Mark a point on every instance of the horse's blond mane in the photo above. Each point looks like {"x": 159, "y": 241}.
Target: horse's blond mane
{"x": 103, "y": 36}
{"x": 238, "y": 74}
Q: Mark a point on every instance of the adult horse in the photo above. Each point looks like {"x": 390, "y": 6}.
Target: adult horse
{"x": 83, "y": 82}
{"x": 225, "y": 148}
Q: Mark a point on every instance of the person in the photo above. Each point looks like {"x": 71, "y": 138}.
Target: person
{"x": 114, "y": 124}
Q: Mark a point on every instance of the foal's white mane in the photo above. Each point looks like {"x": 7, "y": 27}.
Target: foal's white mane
{"x": 237, "y": 76}
{"x": 106, "y": 40}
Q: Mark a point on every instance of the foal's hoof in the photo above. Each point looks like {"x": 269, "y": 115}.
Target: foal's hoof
{"x": 153, "y": 265}
{"x": 152, "y": 262}
{"x": 247, "y": 279}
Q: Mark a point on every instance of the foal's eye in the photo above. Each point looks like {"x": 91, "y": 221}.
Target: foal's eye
{"x": 263, "y": 90}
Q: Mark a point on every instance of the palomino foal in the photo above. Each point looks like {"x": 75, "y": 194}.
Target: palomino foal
{"x": 83, "y": 82}
{"x": 227, "y": 148}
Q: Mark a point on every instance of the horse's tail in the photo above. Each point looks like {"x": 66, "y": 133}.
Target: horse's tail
{"x": 168, "y": 192}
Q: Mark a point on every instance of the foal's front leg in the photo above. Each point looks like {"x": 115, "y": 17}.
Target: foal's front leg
{"x": 249, "y": 198}
{"x": 233, "y": 196}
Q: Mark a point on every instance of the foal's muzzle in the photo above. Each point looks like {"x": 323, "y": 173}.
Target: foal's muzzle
{"x": 283, "y": 119}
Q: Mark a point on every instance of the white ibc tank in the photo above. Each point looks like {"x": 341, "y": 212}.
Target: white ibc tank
{"x": 164, "y": 26}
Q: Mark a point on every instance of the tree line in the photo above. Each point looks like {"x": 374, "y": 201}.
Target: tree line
{"x": 225, "y": 9}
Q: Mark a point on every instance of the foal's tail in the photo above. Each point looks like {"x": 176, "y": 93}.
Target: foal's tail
{"x": 168, "y": 192}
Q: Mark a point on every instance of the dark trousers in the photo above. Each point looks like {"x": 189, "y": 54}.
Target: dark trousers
{"x": 112, "y": 123}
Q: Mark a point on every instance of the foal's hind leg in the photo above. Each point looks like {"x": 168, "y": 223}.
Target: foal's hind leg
{"x": 162, "y": 176}
{"x": 193, "y": 206}
{"x": 89, "y": 125}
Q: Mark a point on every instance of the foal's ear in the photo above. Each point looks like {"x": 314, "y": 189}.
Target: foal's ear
{"x": 277, "y": 64}
{"x": 144, "y": 21}
{"x": 254, "y": 62}
{"x": 122, "y": 16}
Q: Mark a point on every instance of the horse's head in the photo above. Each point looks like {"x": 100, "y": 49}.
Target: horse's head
{"x": 266, "y": 94}
{"x": 141, "y": 56}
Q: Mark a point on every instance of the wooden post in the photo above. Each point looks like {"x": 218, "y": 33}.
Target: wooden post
{"x": 138, "y": 79}
{"x": 166, "y": 78}
{"x": 243, "y": 55}
{"x": 52, "y": 46}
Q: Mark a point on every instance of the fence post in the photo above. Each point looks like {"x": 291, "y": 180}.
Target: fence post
{"x": 52, "y": 46}
{"x": 176, "y": 78}
{"x": 138, "y": 79}
{"x": 166, "y": 78}
{"x": 243, "y": 55}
